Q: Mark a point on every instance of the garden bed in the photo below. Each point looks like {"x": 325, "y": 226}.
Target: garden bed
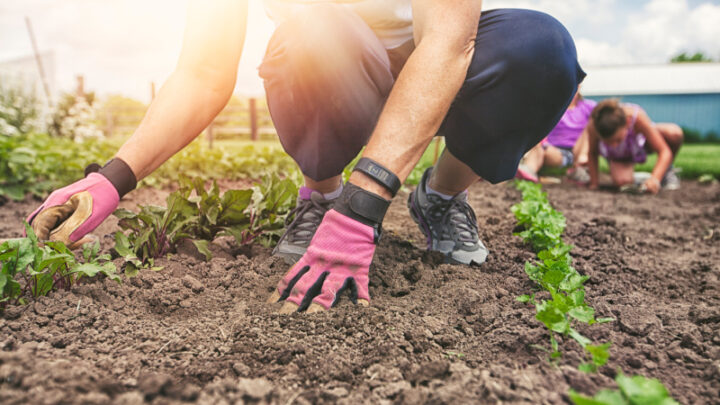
{"x": 201, "y": 331}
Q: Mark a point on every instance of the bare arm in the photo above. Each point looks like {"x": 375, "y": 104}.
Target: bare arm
{"x": 197, "y": 90}
{"x": 593, "y": 153}
{"x": 445, "y": 43}
{"x": 657, "y": 143}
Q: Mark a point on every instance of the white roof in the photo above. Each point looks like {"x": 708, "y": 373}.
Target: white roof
{"x": 673, "y": 78}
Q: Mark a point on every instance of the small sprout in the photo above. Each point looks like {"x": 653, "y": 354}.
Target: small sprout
{"x": 453, "y": 354}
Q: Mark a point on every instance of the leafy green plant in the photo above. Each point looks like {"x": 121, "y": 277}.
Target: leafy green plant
{"x": 543, "y": 224}
{"x": 247, "y": 161}
{"x": 635, "y": 390}
{"x": 42, "y": 269}
{"x": 553, "y": 273}
{"x": 706, "y": 178}
{"x": 38, "y": 163}
{"x": 248, "y": 215}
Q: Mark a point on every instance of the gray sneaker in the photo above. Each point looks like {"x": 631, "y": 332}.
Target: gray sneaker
{"x": 301, "y": 224}
{"x": 671, "y": 180}
{"x": 449, "y": 225}
{"x": 578, "y": 175}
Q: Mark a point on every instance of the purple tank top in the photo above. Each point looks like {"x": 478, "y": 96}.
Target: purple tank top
{"x": 632, "y": 148}
{"x": 571, "y": 125}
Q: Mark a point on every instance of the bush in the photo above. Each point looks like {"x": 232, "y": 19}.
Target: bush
{"x": 695, "y": 136}
{"x": 75, "y": 117}
{"x": 18, "y": 110}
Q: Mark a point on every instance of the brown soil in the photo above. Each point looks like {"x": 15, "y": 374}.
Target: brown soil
{"x": 434, "y": 333}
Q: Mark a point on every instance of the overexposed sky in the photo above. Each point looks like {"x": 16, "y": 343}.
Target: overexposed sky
{"x": 120, "y": 46}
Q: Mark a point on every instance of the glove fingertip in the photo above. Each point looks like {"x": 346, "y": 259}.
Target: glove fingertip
{"x": 312, "y": 292}
{"x": 351, "y": 287}
{"x": 285, "y": 293}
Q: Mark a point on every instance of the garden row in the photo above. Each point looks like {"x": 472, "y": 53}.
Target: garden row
{"x": 256, "y": 214}
{"x": 560, "y": 302}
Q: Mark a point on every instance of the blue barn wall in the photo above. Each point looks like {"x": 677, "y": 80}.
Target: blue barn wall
{"x": 700, "y": 112}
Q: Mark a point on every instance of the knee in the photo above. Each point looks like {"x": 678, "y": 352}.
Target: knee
{"x": 675, "y": 134}
{"x": 315, "y": 35}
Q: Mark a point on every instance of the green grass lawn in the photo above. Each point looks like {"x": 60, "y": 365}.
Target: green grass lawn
{"x": 694, "y": 160}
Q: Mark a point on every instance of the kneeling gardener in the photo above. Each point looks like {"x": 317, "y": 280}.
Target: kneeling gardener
{"x": 339, "y": 75}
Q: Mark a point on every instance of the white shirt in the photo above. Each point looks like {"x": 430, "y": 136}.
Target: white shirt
{"x": 391, "y": 20}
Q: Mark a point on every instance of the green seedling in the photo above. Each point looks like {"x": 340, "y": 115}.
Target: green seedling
{"x": 451, "y": 354}
{"x": 251, "y": 215}
{"x": 32, "y": 269}
{"x": 707, "y": 179}
{"x": 635, "y": 390}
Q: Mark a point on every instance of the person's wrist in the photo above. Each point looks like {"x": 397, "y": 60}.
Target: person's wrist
{"x": 363, "y": 181}
{"x": 378, "y": 173}
{"x": 118, "y": 173}
{"x": 363, "y": 206}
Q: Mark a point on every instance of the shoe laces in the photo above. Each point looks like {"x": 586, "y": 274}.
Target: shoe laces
{"x": 458, "y": 213}
{"x": 303, "y": 220}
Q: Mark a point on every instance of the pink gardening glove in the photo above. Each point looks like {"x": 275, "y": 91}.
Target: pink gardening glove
{"x": 73, "y": 211}
{"x": 338, "y": 258}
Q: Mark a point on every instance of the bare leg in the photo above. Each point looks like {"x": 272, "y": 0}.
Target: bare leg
{"x": 553, "y": 157}
{"x": 622, "y": 172}
{"x": 534, "y": 158}
{"x": 581, "y": 150}
{"x": 451, "y": 176}
{"x": 324, "y": 186}
{"x": 673, "y": 135}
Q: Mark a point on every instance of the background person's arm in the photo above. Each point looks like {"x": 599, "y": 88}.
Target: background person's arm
{"x": 593, "y": 139}
{"x": 197, "y": 90}
{"x": 445, "y": 43}
{"x": 645, "y": 126}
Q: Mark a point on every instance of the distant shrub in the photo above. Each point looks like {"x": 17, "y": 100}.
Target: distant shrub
{"x": 19, "y": 109}
{"x": 695, "y": 136}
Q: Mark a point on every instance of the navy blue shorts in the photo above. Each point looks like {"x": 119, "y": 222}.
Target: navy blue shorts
{"x": 327, "y": 85}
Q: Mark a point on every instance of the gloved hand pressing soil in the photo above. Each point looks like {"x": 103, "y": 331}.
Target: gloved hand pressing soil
{"x": 70, "y": 213}
{"x": 339, "y": 256}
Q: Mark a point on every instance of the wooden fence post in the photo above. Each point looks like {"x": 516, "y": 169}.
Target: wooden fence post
{"x": 253, "y": 120}
{"x": 210, "y": 134}
{"x": 38, "y": 60}
{"x": 80, "y": 89}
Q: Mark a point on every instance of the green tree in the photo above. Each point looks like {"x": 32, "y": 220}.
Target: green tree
{"x": 696, "y": 57}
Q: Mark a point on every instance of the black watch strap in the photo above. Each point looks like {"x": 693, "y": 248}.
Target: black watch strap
{"x": 363, "y": 206}
{"x": 118, "y": 173}
{"x": 379, "y": 173}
